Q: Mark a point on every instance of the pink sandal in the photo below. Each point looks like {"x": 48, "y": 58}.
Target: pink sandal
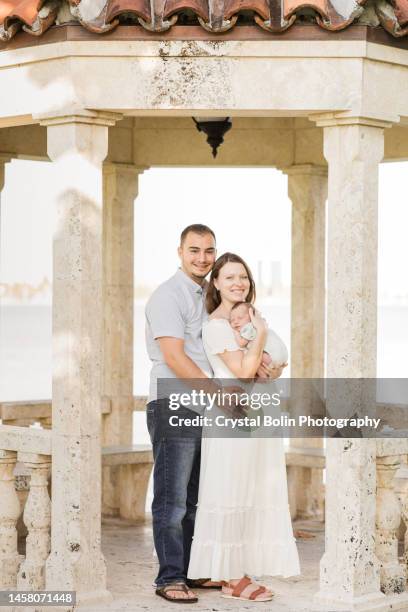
{"x": 242, "y": 591}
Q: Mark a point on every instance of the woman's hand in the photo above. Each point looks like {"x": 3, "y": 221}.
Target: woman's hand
{"x": 258, "y": 322}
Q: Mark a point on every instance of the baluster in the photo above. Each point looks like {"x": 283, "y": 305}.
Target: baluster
{"x": 37, "y": 518}
{"x": 9, "y": 513}
{"x": 393, "y": 574}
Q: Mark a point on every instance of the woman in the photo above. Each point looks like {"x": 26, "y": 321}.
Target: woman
{"x": 243, "y": 524}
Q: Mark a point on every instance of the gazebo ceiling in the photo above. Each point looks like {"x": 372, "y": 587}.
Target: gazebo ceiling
{"x": 99, "y": 16}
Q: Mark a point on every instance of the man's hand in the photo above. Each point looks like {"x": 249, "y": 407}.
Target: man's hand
{"x": 263, "y": 373}
{"x": 277, "y": 371}
{"x": 267, "y": 372}
{"x": 233, "y": 408}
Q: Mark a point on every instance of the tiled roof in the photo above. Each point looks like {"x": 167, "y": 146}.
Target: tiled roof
{"x": 36, "y": 16}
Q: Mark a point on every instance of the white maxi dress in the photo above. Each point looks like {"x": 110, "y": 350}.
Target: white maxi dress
{"x": 243, "y": 523}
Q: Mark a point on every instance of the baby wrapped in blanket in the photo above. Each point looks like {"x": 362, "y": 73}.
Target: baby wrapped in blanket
{"x": 275, "y": 352}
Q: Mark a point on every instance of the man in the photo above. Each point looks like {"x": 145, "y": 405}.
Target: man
{"x": 174, "y": 317}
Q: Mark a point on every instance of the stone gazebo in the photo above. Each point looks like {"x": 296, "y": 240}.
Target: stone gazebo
{"x": 104, "y": 90}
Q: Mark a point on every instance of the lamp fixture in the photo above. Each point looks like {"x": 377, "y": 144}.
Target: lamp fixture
{"x": 215, "y": 128}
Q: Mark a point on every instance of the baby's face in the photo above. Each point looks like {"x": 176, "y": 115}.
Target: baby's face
{"x": 239, "y": 317}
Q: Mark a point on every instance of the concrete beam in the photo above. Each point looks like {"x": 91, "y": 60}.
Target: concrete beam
{"x": 163, "y": 141}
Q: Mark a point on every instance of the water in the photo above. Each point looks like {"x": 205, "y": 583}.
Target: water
{"x": 25, "y": 350}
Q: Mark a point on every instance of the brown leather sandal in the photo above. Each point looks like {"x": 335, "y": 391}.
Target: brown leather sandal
{"x": 175, "y": 586}
{"x": 237, "y": 591}
{"x": 200, "y": 583}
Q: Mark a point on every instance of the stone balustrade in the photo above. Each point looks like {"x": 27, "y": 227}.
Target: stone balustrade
{"x": 30, "y": 448}
{"x": 391, "y": 513}
{"x": 25, "y": 456}
{"x": 25, "y": 413}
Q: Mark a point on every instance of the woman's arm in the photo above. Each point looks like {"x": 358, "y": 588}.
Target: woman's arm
{"x": 242, "y": 343}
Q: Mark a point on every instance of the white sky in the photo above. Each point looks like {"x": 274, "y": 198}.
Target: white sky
{"x": 247, "y": 208}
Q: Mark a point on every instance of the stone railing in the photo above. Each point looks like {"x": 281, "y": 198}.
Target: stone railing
{"x": 28, "y": 412}
{"x": 24, "y": 450}
{"x": 30, "y": 449}
{"x": 392, "y": 513}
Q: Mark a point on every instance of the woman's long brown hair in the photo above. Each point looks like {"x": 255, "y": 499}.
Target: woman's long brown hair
{"x": 213, "y": 299}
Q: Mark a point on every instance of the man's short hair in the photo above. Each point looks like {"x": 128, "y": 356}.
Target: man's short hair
{"x": 196, "y": 228}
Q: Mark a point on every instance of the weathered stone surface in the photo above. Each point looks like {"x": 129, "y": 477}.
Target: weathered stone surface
{"x": 307, "y": 189}
{"x": 353, "y": 153}
{"x": 181, "y": 78}
{"x": 29, "y": 440}
{"x": 349, "y": 569}
{"x": 120, "y": 183}
{"x": 77, "y": 146}
{"x": 20, "y": 413}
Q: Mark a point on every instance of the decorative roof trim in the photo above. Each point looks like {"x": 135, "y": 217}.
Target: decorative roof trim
{"x": 215, "y": 16}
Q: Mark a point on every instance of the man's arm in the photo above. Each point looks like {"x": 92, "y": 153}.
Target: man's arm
{"x": 175, "y": 357}
{"x": 173, "y": 353}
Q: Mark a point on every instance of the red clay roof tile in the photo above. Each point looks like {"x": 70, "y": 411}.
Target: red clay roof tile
{"x": 31, "y": 15}
{"x": 141, "y": 8}
{"x": 24, "y": 10}
{"x": 35, "y": 16}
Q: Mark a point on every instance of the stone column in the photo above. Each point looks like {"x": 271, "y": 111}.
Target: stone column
{"x": 120, "y": 188}
{"x": 307, "y": 189}
{"x": 77, "y": 146}
{"x": 353, "y": 147}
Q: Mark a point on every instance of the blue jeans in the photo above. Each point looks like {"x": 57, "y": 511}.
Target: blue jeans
{"x": 176, "y": 477}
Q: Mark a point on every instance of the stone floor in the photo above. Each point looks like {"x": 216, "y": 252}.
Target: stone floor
{"x": 132, "y": 568}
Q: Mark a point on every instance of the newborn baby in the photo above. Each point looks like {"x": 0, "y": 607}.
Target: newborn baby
{"x": 275, "y": 351}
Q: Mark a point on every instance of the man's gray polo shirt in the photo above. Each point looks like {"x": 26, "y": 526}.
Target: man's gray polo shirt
{"x": 176, "y": 309}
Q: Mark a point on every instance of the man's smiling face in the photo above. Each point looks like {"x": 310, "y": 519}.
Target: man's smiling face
{"x": 197, "y": 255}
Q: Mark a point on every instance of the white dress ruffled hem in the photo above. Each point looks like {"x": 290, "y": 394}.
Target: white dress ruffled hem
{"x": 243, "y": 524}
